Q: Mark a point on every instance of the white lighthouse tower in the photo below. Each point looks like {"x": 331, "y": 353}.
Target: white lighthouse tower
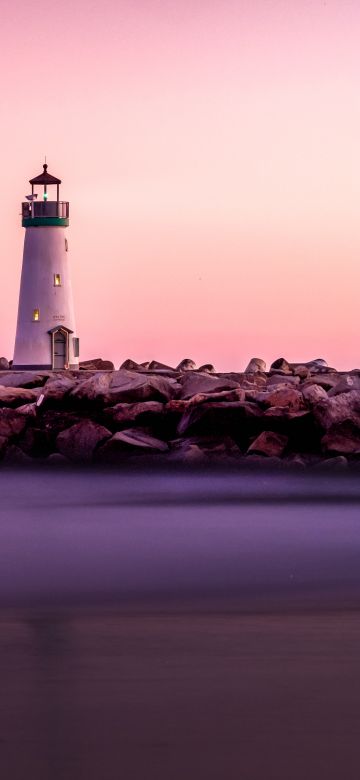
{"x": 45, "y": 334}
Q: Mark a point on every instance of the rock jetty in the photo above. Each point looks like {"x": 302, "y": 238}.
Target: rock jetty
{"x": 302, "y": 415}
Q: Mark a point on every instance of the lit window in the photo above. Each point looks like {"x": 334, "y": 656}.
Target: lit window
{"x": 36, "y": 315}
{"x": 66, "y": 245}
{"x": 57, "y": 280}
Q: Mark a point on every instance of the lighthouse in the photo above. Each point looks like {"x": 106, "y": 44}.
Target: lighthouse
{"x": 45, "y": 333}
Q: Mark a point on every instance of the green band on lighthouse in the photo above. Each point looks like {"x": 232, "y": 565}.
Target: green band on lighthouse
{"x": 45, "y": 222}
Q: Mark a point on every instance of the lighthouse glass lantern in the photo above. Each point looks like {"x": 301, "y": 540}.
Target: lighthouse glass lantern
{"x": 45, "y": 333}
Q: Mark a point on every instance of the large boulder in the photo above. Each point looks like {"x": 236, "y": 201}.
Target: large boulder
{"x": 283, "y": 396}
{"x": 269, "y": 443}
{"x": 256, "y": 365}
{"x": 92, "y": 389}
{"x": 56, "y": 389}
{"x": 28, "y": 409}
{"x": 17, "y": 396}
{"x": 186, "y": 365}
{"x": 4, "y": 364}
{"x": 342, "y": 439}
{"x": 144, "y": 413}
{"x": 318, "y": 366}
{"x": 302, "y": 371}
{"x": 204, "y": 450}
{"x": 280, "y": 379}
{"x": 281, "y": 365}
{"x": 97, "y": 364}
{"x": 129, "y": 387}
{"x": 133, "y": 441}
{"x": 156, "y": 366}
{"x": 207, "y": 368}
{"x": 130, "y": 365}
{"x": 339, "y": 409}
{"x": 327, "y": 381}
{"x": 193, "y": 383}
{"x": 313, "y": 394}
{"x": 238, "y": 394}
{"x": 24, "y": 378}
{"x": 345, "y": 385}
{"x": 79, "y": 442}
{"x": 12, "y": 423}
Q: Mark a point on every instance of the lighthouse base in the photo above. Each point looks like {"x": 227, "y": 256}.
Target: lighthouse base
{"x": 46, "y": 367}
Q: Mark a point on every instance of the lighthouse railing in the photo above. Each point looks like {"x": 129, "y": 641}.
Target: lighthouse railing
{"x": 48, "y": 208}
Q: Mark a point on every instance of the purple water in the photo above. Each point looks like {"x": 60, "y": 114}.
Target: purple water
{"x": 172, "y": 625}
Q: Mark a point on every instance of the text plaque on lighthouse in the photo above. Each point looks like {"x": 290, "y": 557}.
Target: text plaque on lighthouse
{"x": 45, "y": 333}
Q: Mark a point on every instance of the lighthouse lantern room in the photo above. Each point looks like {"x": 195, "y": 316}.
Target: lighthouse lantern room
{"x": 45, "y": 334}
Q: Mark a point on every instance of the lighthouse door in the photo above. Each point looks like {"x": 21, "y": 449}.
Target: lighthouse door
{"x": 59, "y": 349}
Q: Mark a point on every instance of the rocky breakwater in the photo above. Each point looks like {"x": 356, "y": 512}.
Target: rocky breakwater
{"x": 306, "y": 415}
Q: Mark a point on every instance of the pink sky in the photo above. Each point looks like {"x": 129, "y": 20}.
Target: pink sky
{"x": 210, "y": 153}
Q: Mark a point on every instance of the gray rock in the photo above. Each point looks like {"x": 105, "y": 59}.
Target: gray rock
{"x": 345, "y": 385}
{"x": 24, "y": 379}
{"x": 79, "y": 442}
{"x": 97, "y": 364}
{"x": 269, "y": 443}
{"x": 281, "y": 365}
{"x": 313, "y": 394}
{"x": 327, "y": 381}
{"x": 28, "y": 409}
{"x": 193, "y": 383}
{"x": 281, "y": 379}
{"x": 339, "y": 409}
{"x": 12, "y": 423}
{"x": 129, "y": 441}
{"x": 188, "y": 452}
{"x": 17, "y": 396}
{"x": 256, "y": 365}
{"x": 56, "y": 459}
{"x": 55, "y": 390}
{"x": 238, "y": 394}
{"x": 93, "y": 388}
{"x": 342, "y": 439}
{"x": 319, "y": 366}
{"x": 131, "y": 365}
{"x": 156, "y": 366}
{"x": 4, "y": 364}
{"x": 337, "y": 463}
{"x": 207, "y": 368}
{"x": 302, "y": 371}
{"x": 204, "y": 450}
{"x": 289, "y": 397}
{"x": 186, "y": 365}
{"x": 129, "y": 387}
{"x": 126, "y": 415}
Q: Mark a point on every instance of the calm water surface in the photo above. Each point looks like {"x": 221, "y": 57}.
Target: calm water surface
{"x": 177, "y": 625}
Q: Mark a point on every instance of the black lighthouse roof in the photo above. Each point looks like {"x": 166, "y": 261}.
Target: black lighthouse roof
{"x": 45, "y": 178}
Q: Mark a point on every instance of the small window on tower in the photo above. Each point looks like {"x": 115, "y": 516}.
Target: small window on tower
{"x": 57, "y": 280}
{"x": 66, "y": 245}
{"x": 36, "y": 315}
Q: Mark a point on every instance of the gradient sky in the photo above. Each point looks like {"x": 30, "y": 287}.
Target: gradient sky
{"x": 210, "y": 153}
